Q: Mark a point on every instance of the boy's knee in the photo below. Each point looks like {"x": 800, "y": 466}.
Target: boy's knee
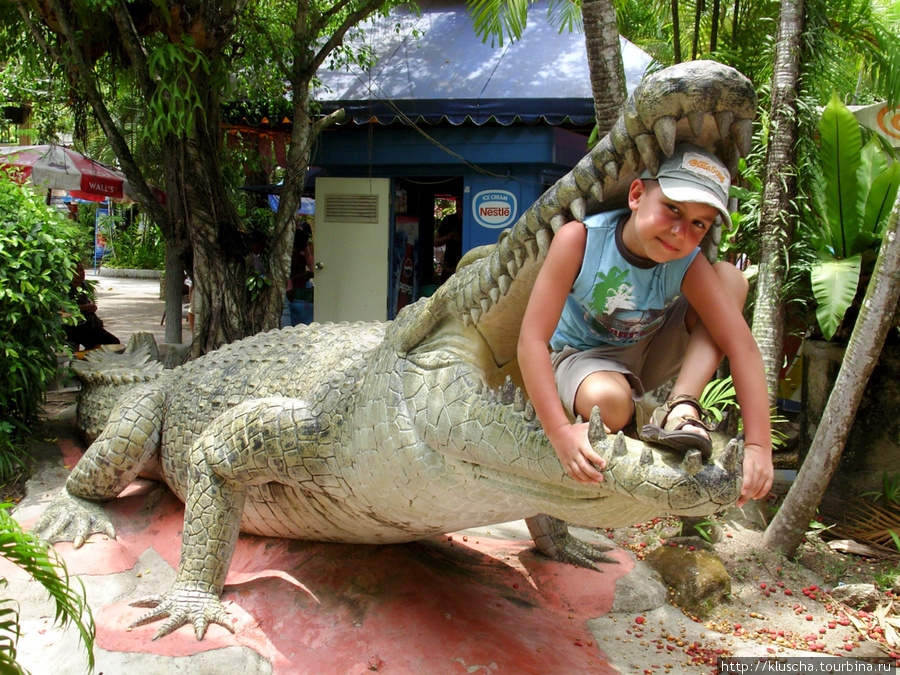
{"x": 611, "y": 393}
{"x": 734, "y": 281}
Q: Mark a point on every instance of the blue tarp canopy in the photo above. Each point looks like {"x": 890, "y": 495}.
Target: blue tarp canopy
{"x": 434, "y": 68}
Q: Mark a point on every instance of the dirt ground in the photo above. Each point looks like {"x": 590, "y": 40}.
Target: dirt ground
{"x": 782, "y": 604}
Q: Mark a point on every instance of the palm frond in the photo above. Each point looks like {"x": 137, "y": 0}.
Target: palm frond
{"x": 869, "y": 522}
{"x": 9, "y": 637}
{"x": 39, "y": 560}
{"x": 499, "y": 19}
{"x": 565, "y": 15}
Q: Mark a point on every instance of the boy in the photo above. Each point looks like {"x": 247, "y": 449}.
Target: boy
{"x": 624, "y": 302}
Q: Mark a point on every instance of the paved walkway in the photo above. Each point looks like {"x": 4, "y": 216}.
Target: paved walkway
{"x": 132, "y": 305}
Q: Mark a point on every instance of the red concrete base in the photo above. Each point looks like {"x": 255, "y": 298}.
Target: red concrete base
{"x": 446, "y": 605}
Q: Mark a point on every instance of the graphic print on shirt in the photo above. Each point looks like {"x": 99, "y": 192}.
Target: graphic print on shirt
{"x": 612, "y": 315}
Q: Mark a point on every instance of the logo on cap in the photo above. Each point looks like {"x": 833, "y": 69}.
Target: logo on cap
{"x": 702, "y": 167}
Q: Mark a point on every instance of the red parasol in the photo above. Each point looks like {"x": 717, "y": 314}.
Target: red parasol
{"x": 54, "y": 167}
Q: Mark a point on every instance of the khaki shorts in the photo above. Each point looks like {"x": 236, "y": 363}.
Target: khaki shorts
{"x": 646, "y": 365}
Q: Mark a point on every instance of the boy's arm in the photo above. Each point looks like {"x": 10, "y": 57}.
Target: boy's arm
{"x": 551, "y": 288}
{"x": 731, "y": 333}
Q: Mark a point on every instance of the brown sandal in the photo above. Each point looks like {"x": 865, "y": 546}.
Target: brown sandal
{"x": 669, "y": 430}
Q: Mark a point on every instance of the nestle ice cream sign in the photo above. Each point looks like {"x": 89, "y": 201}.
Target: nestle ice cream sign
{"x": 494, "y": 209}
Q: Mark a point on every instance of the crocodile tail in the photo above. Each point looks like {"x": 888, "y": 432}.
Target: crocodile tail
{"x": 106, "y": 377}
{"x": 703, "y": 102}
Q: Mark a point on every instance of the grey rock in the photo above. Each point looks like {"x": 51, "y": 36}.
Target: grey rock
{"x": 641, "y": 590}
{"x": 858, "y": 596}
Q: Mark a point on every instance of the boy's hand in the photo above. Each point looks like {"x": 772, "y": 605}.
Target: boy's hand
{"x": 575, "y": 453}
{"x": 758, "y": 473}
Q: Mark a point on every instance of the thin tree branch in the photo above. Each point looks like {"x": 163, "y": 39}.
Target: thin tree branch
{"x": 338, "y": 37}
{"x": 22, "y": 6}
{"x": 134, "y": 48}
{"x": 274, "y": 49}
{"x": 113, "y": 133}
{"x": 329, "y": 120}
{"x": 335, "y": 9}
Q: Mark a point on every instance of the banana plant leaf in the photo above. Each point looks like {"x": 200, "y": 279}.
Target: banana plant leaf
{"x": 834, "y": 284}
{"x": 840, "y": 149}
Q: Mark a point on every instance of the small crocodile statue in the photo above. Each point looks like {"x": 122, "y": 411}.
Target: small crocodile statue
{"x": 391, "y": 432}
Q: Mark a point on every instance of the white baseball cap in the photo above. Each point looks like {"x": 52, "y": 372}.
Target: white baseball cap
{"x": 693, "y": 174}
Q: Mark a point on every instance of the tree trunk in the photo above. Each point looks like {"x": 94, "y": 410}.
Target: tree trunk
{"x": 604, "y": 61}
{"x": 714, "y": 27}
{"x": 223, "y": 308}
{"x": 174, "y": 287}
{"x": 698, "y": 11}
{"x": 786, "y": 530}
{"x": 676, "y": 32}
{"x": 735, "y": 22}
{"x": 777, "y": 214}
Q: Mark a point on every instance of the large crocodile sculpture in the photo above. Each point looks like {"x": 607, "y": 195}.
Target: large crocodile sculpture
{"x": 380, "y": 433}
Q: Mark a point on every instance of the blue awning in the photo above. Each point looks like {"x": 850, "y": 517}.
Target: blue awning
{"x": 431, "y": 67}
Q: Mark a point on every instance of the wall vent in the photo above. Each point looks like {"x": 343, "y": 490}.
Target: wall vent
{"x": 349, "y": 208}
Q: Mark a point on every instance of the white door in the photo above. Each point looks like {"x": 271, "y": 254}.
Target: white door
{"x": 352, "y": 243}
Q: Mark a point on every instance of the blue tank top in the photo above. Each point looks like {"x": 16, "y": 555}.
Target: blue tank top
{"x": 617, "y": 298}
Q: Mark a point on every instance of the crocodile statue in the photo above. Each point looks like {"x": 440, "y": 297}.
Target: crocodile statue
{"x": 392, "y": 432}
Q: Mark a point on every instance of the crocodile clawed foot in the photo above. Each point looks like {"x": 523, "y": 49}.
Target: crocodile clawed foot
{"x": 552, "y": 538}
{"x": 678, "y": 484}
{"x": 72, "y": 519}
{"x": 580, "y": 553}
{"x": 183, "y": 606}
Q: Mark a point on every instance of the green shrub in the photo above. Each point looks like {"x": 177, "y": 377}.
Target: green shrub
{"x": 138, "y": 246}
{"x": 34, "y": 281}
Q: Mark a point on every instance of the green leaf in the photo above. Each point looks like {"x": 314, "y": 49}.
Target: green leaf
{"x": 717, "y": 396}
{"x": 841, "y": 145}
{"x": 873, "y": 163}
{"x": 834, "y": 284}
{"x": 45, "y": 567}
{"x": 498, "y": 18}
{"x": 881, "y": 199}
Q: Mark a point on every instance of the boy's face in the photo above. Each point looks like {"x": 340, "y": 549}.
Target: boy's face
{"x": 661, "y": 229}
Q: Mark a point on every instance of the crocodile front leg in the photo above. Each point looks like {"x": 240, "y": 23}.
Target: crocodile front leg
{"x": 211, "y": 526}
{"x": 111, "y": 463}
{"x": 259, "y": 441}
